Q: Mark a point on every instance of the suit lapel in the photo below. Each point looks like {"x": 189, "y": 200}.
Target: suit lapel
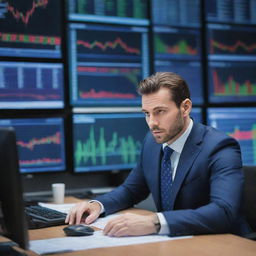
{"x": 189, "y": 153}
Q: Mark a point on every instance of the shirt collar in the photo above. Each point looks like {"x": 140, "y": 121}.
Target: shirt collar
{"x": 178, "y": 144}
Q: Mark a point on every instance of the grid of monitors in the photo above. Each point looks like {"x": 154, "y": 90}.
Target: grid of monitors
{"x": 40, "y": 142}
{"x": 230, "y": 11}
{"x": 176, "y": 12}
{"x": 231, "y": 51}
{"x": 107, "y": 141}
{"x": 30, "y": 28}
{"x": 240, "y": 123}
{"x": 30, "y": 85}
{"x": 106, "y": 64}
{"x": 133, "y": 12}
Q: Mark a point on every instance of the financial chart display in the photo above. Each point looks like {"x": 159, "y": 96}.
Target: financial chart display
{"x": 107, "y": 141}
{"x": 132, "y": 12}
{"x": 176, "y": 43}
{"x": 239, "y": 123}
{"x": 40, "y": 143}
{"x": 231, "y": 42}
{"x": 30, "y": 28}
{"x": 191, "y": 71}
{"x": 27, "y": 85}
{"x": 176, "y": 12}
{"x": 232, "y": 81}
{"x": 230, "y": 11}
{"x": 106, "y": 64}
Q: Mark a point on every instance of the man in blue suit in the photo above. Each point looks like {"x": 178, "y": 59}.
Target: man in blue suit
{"x": 205, "y": 178}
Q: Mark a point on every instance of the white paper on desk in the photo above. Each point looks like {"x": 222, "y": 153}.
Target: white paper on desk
{"x": 58, "y": 207}
{"x": 101, "y": 222}
{"x": 97, "y": 240}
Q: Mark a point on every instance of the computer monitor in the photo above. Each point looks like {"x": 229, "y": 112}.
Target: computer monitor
{"x": 105, "y": 142}
{"x": 231, "y": 42}
{"x": 30, "y": 28}
{"x": 177, "y": 43}
{"x": 12, "y": 215}
{"x": 132, "y": 12}
{"x": 40, "y": 142}
{"x": 31, "y": 85}
{"x": 176, "y": 12}
{"x": 106, "y": 64}
{"x": 239, "y": 123}
{"x": 226, "y": 11}
{"x": 231, "y": 81}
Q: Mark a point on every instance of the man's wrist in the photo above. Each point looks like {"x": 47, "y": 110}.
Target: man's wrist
{"x": 156, "y": 223}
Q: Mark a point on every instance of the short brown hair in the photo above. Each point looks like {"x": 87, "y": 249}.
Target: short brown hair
{"x": 178, "y": 87}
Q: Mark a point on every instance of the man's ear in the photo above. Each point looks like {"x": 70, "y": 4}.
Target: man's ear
{"x": 186, "y": 107}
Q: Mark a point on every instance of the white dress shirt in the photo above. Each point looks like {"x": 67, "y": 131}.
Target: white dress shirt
{"x": 177, "y": 146}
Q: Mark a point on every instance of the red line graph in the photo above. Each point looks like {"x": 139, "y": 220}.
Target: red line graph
{"x": 54, "y": 139}
{"x": 44, "y": 160}
{"x": 24, "y": 17}
{"x": 231, "y": 48}
{"x": 112, "y": 45}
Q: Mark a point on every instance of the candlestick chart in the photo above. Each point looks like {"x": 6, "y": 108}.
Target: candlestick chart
{"x": 31, "y": 27}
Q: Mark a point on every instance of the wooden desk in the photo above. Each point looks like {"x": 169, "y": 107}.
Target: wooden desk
{"x": 205, "y": 245}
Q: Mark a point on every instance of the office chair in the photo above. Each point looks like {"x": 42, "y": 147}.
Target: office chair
{"x": 249, "y": 199}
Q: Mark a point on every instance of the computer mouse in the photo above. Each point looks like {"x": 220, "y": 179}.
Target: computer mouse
{"x": 78, "y": 230}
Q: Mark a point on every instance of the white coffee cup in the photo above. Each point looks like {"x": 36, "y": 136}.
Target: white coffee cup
{"x": 58, "y": 193}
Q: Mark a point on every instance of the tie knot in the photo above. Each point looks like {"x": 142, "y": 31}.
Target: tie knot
{"x": 167, "y": 152}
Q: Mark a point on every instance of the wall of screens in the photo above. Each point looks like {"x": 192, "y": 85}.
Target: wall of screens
{"x": 57, "y": 56}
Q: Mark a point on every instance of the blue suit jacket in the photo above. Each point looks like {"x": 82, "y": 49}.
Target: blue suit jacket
{"x": 207, "y": 189}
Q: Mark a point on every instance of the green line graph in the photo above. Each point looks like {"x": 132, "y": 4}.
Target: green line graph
{"x": 97, "y": 149}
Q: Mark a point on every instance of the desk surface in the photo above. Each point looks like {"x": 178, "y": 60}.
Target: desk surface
{"x": 205, "y": 245}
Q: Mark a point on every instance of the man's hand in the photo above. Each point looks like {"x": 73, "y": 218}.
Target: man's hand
{"x": 130, "y": 224}
{"x": 75, "y": 215}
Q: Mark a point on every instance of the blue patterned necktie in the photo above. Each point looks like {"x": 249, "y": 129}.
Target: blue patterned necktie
{"x": 166, "y": 179}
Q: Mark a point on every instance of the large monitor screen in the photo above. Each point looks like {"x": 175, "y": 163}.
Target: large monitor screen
{"x": 27, "y": 85}
{"x": 40, "y": 142}
{"x": 177, "y": 43}
{"x": 106, "y": 64}
{"x": 230, "y": 11}
{"x": 239, "y": 123}
{"x": 107, "y": 141}
{"x": 30, "y": 28}
{"x": 133, "y": 12}
{"x": 232, "y": 81}
{"x": 191, "y": 71}
{"x": 226, "y": 42}
{"x": 176, "y": 12}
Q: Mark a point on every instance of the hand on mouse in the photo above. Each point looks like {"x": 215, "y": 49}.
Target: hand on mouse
{"x": 76, "y": 213}
{"x": 130, "y": 224}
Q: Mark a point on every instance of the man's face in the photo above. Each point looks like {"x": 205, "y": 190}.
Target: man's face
{"x": 165, "y": 120}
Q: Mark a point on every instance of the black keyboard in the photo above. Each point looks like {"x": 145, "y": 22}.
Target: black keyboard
{"x": 39, "y": 217}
